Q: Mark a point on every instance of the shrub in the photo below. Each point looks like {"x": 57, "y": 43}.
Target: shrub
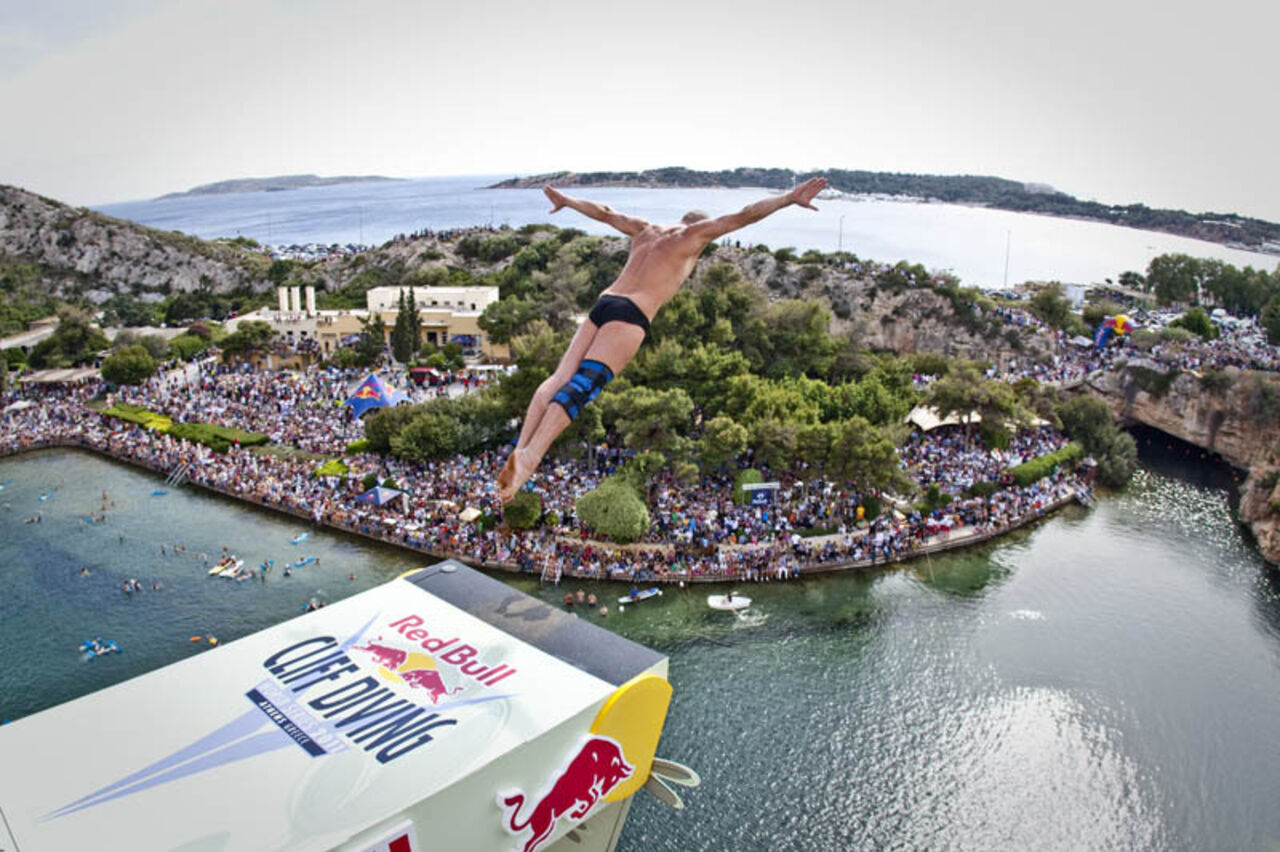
{"x": 142, "y": 416}
{"x": 132, "y": 365}
{"x": 1153, "y": 382}
{"x": 750, "y": 476}
{"x": 370, "y": 480}
{"x": 871, "y": 507}
{"x": 333, "y": 467}
{"x": 614, "y": 510}
{"x": 390, "y": 483}
{"x": 217, "y": 438}
{"x": 357, "y": 447}
{"x": 1216, "y": 382}
{"x": 523, "y": 511}
{"x": 1039, "y": 468}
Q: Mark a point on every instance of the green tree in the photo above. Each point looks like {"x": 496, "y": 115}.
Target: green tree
{"x": 775, "y": 441}
{"x": 1271, "y": 320}
{"x": 790, "y": 339}
{"x": 401, "y": 337}
{"x": 964, "y": 391}
{"x": 75, "y": 341}
{"x": 1117, "y": 459}
{"x": 132, "y": 365}
{"x": 722, "y": 441}
{"x": 650, "y": 419}
{"x": 1050, "y": 303}
{"x": 614, "y": 510}
{"x": 863, "y": 456}
{"x": 504, "y": 319}
{"x": 187, "y": 346}
{"x": 523, "y": 511}
{"x": 1197, "y": 322}
{"x": 430, "y": 434}
{"x": 249, "y": 336}
{"x": 4, "y": 371}
{"x": 1174, "y": 278}
{"x": 373, "y": 335}
{"x": 384, "y": 424}
{"x": 128, "y": 311}
{"x": 415, "y": 324}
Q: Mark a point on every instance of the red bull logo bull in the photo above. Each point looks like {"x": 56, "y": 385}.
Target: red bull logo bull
{"x": 414, "y": 670}
{"x": 366, "y": 392}
{"x": 597, "y": 768}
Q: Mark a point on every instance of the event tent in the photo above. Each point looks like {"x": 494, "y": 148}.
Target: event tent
{"x": 379, "y": 496}
{"x": 373, "y": 392}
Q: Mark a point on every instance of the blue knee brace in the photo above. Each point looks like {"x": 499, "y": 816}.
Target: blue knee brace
{"x": 585, "y": 386}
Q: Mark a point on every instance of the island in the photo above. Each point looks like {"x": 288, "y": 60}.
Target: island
{"x": 979, "y": 190}
{"x": 279, "y": 183}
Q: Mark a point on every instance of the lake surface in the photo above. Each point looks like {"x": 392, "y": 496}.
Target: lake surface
{"x": 1106, "y": 680}
{"x": 971, "y": 242}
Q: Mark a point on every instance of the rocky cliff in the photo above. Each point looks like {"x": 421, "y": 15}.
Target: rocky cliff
{"x": 1234, "y": 414}
{"x": 84, "y": 253}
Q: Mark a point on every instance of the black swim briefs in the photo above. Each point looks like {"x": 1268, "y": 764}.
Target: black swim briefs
{"x": 611, "y": 308}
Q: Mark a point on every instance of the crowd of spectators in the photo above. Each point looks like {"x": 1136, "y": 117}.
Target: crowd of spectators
{"x": 698, "y": 531}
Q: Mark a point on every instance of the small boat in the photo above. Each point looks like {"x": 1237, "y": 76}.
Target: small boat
{"x": 218, "y": 568}
{"x": 728, "y": 603}
{"x": 96, "y": 647}
{"x": 640, "y": 595}
{"x": 304, "y": 562}
{"x": 158, "y": 492}
{"x": 232, "y": 569}
{"x": 298, "y": 539}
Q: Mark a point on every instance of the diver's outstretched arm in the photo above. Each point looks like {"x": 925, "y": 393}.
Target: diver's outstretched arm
{"x": 802, "y": 195}
{"x": 628, "y": 225}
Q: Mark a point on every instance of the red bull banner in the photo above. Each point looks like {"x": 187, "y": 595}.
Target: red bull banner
{"x": 313, "y": 734}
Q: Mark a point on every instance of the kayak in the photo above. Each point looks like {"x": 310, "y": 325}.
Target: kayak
{"x": 217, "y": 569}
{"x": 725, "y": 603}
{"x": 643, "y": 595}
{"x": 232, "y": 569}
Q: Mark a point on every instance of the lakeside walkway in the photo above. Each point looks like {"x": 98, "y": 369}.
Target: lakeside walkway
{"x": 1064, "y": 493}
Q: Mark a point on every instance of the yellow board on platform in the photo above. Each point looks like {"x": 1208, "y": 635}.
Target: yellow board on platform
{"x": 634, "y": 716}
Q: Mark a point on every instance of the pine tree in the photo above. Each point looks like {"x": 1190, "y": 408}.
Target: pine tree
{"x": 415, "y": 326}
{"x": 400, "y": 339}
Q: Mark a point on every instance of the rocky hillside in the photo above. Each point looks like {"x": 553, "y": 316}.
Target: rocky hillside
{"x": 1237, "y": 415}
{"x": 82, "y": 253}
{"x": 899, "y": 308}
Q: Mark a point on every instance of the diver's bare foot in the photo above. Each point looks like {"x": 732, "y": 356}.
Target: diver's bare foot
{"x": 508, "y": 471}
{"x": 522, "y": 469}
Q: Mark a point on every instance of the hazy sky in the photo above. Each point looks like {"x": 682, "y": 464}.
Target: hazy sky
{"x": 1173, "y": 105}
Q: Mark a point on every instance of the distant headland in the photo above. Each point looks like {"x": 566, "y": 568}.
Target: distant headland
{"x": 984, "y": 191}
{"x": 275, "y": 184}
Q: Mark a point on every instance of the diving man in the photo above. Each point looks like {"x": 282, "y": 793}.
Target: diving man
{"x": 660, "y": 259}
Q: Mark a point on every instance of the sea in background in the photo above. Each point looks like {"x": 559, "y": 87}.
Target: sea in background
{"x": 971, "y": 242}
{"x": 1107, "y": 679}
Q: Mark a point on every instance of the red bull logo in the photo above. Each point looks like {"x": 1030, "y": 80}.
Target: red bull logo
{"x": 414, "y": 670}
{"x": 365, "y": 392}
{"x": 597, "y": 768}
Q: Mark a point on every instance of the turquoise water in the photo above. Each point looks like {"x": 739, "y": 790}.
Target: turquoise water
{"x": 1106, "y": 680}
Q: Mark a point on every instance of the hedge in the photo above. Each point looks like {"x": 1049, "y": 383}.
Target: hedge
{"x": 360, "y": 446}
{"x": 1039, "y": 468}
{"x": 333, "y": 467}
{"x": 749, "y": 476}
{"x": 142, "y": 416}
{"x": 217, "y": 438}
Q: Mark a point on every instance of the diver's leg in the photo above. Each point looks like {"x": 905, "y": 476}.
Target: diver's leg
{"x": 615, "y": 346}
